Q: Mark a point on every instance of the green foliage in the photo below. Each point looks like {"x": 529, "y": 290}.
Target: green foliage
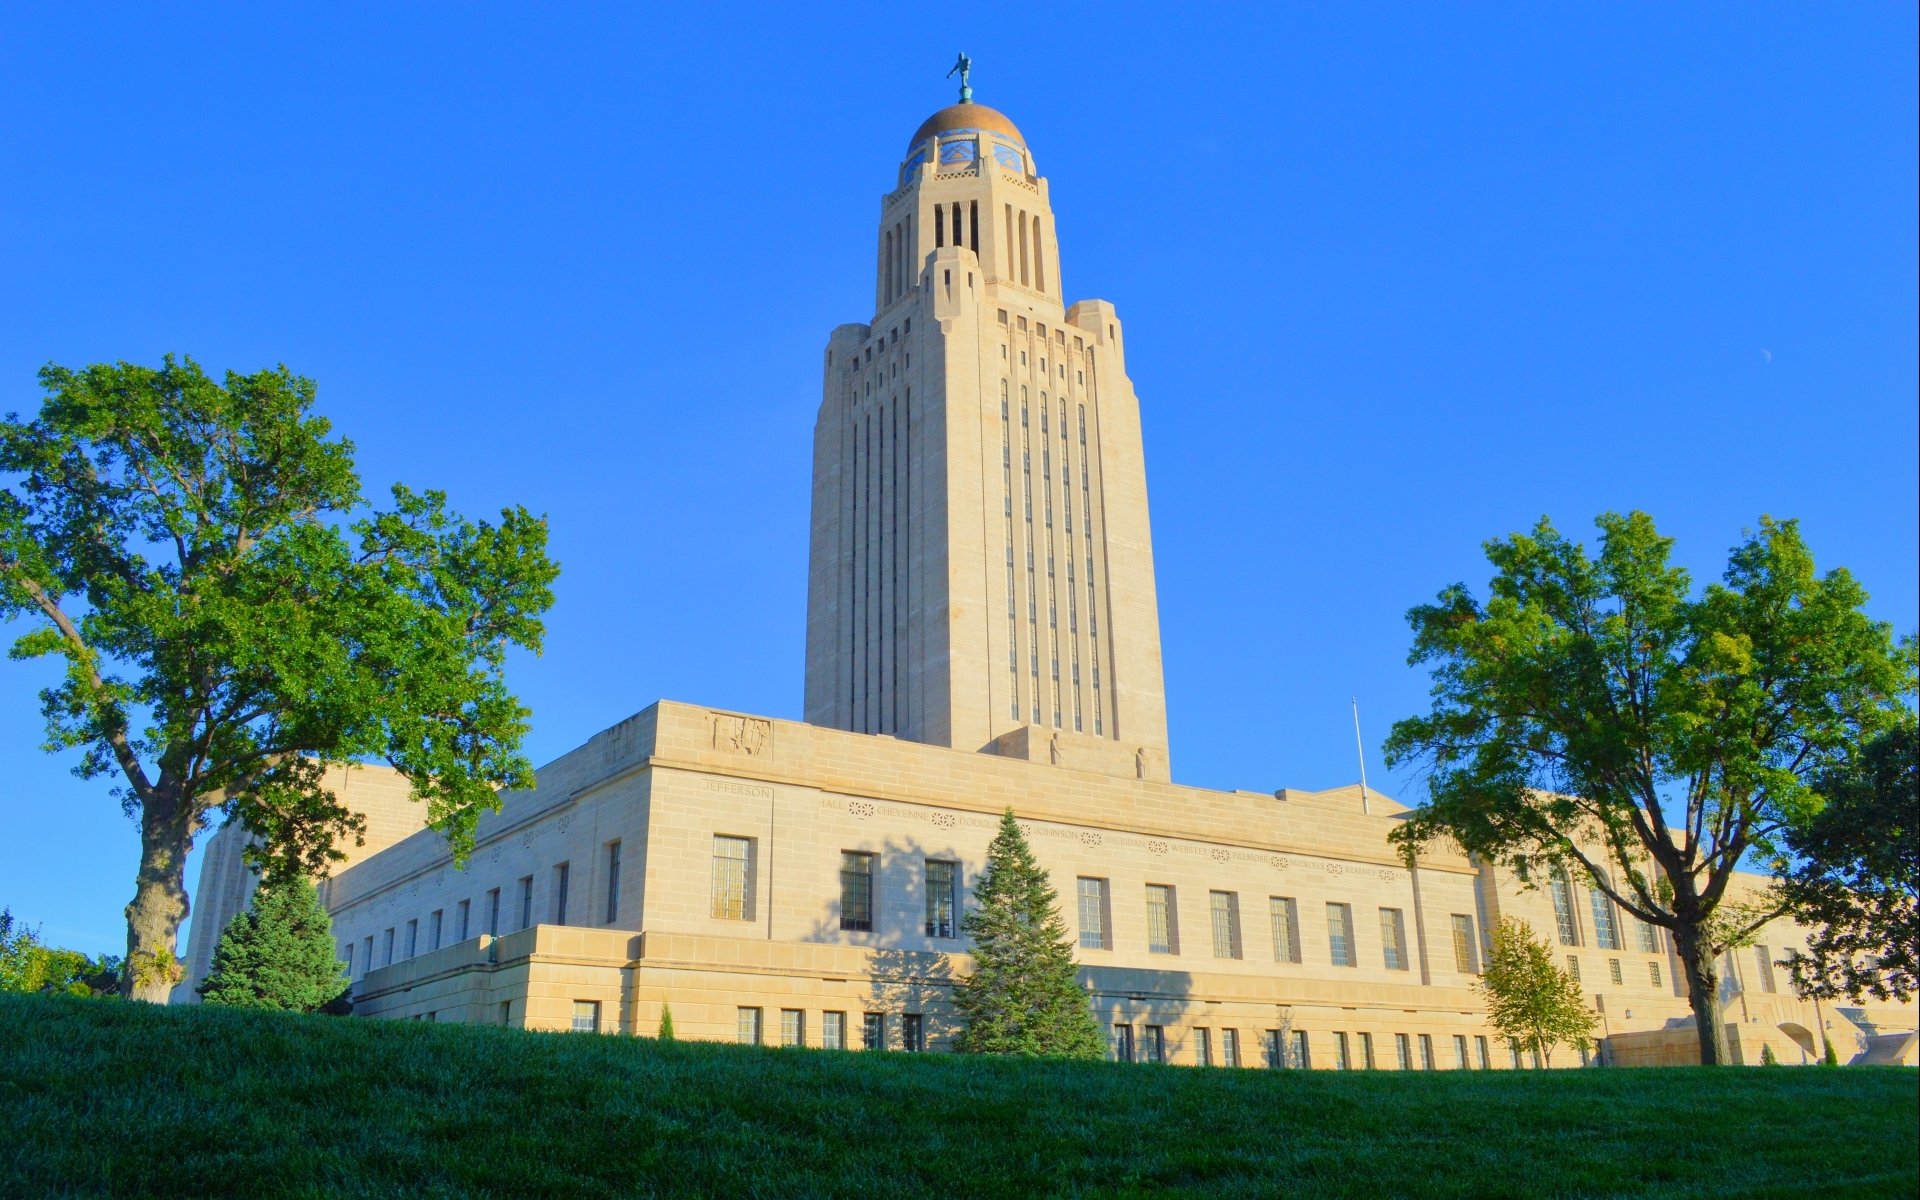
{"x": 29, "y": 965}
{"x": 1828, "y": 1056}
{"x": 1767, "y": 1057}
{"x": 1594, "y": 711}
{"x": 1024, "y": 995}
{"x": 271, "y": 1104}
{"x": 279, "y": 954}
{"x": 1530, "y": 999}
{"x": 1856, "y": 876}
{"x": 231, "y": 616}
{"x": 666, "y": 1022}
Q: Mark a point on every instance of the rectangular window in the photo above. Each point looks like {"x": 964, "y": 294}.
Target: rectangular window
{"x": 1763, "y": 958}
{"x": 1649, "y": 938}
{"x": 1286, "y": 928}
{"x": 1230, "y": 1047}
{"x": 940, "y": 902}
{"x": 464, "y": 918}
{"x": 1605, "y": 932}
{"x": 1275, "y": 1049}
{"x": 366, "y": 958}
{"x": 1095, "y": 931}
{"x": 346, "y": 952}
{"x": 747, "y": 1026}
{"x": 1366, "y": 1051}
{"x": 526, "y": 902}
{"x": 1613, "y": 971}
{"x": 1393, "y": 938}
{"x": 1562, "y": 890}
{"x": 586, "y": 1016}
{"x": 413, "y": 938}
{"x": 1203, "y": 1047}
{"x": 793, "y": 1027}
{"x": 1225, "y": 910}
{"x": 1573, "y": 968}
{"x": 1342, "y": 1061}
{"x": 1120, "y": 1044}
{"x": 1301, "y": 1058}
{"x": 833, "y": 1030}
{"x": 493, "y": 913}
{"x": 1463, "y": 943}
{"x": 1460, "y": 1052}
{"x": 434, "y": 922}
{"x": 613, "y": 882}
{"x": 1403, "y": 1051}
{"x": 1153, "y": 1044}
{"x": 1426, "y": 1052}
{"x": 562, "y": 877}
{"x": 506, "y": 1012}
{"x": 856, "y": 891}
{"x": 912, "y": 1037}
{"x": 1486, "y": 1059}
{"x": 1163, "y": 934}
{"x": 873, "y": 1033}
{"x": 1653, "y": 973}
{"x": 389, "y": 947}
{"x": 1340, "y": 934}
{"x": 732, "y": 859}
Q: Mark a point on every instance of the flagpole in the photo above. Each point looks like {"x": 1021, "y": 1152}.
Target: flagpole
{"x": 1360, "y": 749}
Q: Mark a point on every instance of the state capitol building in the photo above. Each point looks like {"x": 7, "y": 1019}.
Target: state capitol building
{"x": 982, "y": 634}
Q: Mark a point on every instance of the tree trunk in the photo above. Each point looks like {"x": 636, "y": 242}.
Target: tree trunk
{"x": 159, "y": 905}
{"x": 1703, "y": 993}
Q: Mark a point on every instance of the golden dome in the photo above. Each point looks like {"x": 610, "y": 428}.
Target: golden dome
{"x": 955, "y": 118}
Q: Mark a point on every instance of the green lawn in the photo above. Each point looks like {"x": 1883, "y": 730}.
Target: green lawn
{"x": 104, "y": 1098}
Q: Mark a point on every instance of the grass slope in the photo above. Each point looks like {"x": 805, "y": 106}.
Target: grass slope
{"x": 103, "y": 1098}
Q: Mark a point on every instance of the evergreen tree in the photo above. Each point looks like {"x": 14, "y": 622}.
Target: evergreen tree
{"x": 279, "y": 954}
{"x": 666, "y": 1022}
{"x": 1529, "y": 998}
{"x": 1024, "y": 995}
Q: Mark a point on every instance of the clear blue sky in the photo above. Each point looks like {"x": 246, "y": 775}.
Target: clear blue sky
{"x": 1396, "y": 280}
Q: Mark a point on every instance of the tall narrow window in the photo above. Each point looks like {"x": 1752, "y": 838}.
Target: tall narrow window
{"x": 1605, "y": 934}
{"x": 1763, "y": 958}
{"x": 747, "y": 1026}
{"x": 1286, "y": 928}
{"x": 526, "y": 902}
{"x": 1460, "y": 1052}
{"x": 1342, "y": 1060}
{"x": 973, "y": 225}
{"x": 940, "y": 901}
{"x": 833, "y": 1031}
{"x": 1009, "y": 242}
{"x": 912, "y": 1032}
{"x": 366, "y": 956}
{"x": 413, "y": 938}
{"x": 1366, "y": 1051}
{"x": 1393, "y": 938}
{"x": 873, "y": 1031}
{"x": 957, "y": 239}
{"x": 1153, "y": 1043}
{"x": 1486, "y": 1059}
{"x": 1229, "y": 1047}
{"x": 1203, "y": 1047}
{"x": 1653, "y": 974}
{"x": 793, "y": 1027}
{"x": 939, "y": 225}
{"x": 562, "y": 879}
{"x": 493, "y": 913}
{"x": 1463, "y": 943}
{"x": 1340, "y": 934}
{"x": 1573, "y": 968}
{"x": 731, "y": 859}
{"x": 1092, "y": 895}
{"x": 389, "y": 944}
{"x": 465, "y": 911}
{"x": 1403, "y": 1051}
{"x": 1224, "y": 908}
{"x": 434, "y": 928}
{"x": 856, "y": 891}
{"x": 1275, "y": 1049}
{"x": 1024, "y": 274}
{"x": 1613, "y": 971}
{"x": 1302, "y": 1057}
{"x": 1426, "y": 1052}
{"x": 613, "y": 882}
{"x": 1163, "y": 935}
{"x": 1120, "y": 1044}
{"x": 1649, "y": 938}
{"x": 1039, "y": 258}
{"x": 1562, "y": 890}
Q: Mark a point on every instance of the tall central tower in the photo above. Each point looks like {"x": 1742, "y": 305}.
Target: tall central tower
{"x": 981, "y": 561}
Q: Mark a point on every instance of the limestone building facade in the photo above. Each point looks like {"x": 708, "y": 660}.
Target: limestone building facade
{"x": 982, "y": 634}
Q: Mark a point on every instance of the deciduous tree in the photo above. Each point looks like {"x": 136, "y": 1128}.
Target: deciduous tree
{"x": 230, "y": 616}
{"x": 1856, "y": 875}
{"x": 1530, "y": 999}
{"x": 1595, "y": 711}
{"x": 1024, "y": 995}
